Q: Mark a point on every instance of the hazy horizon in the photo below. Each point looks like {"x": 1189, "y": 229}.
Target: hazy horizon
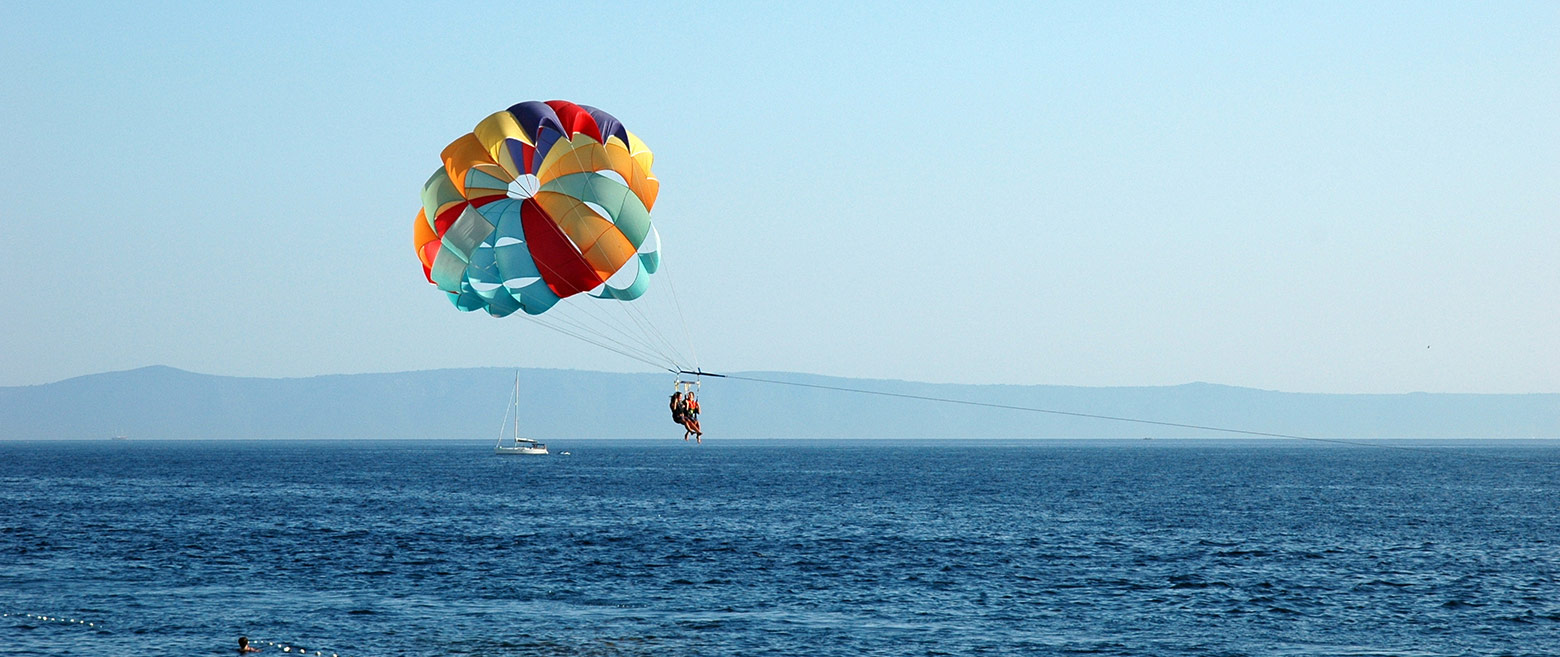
{"x": 714, "y": 378}
{"x": 470, "y": 402}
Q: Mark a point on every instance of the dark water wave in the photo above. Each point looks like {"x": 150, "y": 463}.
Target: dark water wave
{"x": 782, "y": 548}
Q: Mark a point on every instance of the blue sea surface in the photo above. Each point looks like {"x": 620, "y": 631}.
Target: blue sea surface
{"x": 807, "y": 548}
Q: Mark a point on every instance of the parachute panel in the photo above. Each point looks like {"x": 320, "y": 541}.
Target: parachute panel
{"x": 501, "y": 136}
{"x": 467, "y": 154}
{"x": 558, "y": 261}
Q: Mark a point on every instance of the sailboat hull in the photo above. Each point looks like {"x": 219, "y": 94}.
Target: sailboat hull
{"x": 520, "y": 450}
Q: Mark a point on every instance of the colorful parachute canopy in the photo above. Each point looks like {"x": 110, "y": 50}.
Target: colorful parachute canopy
{"x": 540, "y": 202}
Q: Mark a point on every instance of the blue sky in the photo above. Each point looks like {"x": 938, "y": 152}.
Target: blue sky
{"x": 1335, "y": 197}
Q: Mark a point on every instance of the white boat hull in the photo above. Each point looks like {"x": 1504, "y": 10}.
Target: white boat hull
{"x": 520, "y": 450}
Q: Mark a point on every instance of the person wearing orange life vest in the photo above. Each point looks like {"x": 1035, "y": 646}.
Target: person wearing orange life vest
{"x": 691, "y": 418}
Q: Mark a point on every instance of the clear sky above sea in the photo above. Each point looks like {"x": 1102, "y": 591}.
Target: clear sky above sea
{"x": 1306, "y": 196}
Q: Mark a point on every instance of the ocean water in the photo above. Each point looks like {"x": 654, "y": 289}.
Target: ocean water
{"x": 1163, "y": 547}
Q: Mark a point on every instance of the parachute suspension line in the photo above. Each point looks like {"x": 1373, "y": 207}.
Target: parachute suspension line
{"x": 649, "y": 326}
{"x": 599, "y": 343}
{"x": 645, "y": 352}
{"x": 671, "y": 285}
{"x": 646, "y": 328}
{"x": 651, "y": 338}
{"x": 579, "y": 330}
{"x": 644, "y": 331}
{"x": 681, "y": 318}
{"x": 624, "y": 336}
{"x": 621, "y": 344}
{"x": 616, "y": 320}
{"x": 564, "y": 326}
{"x": 641, "y": 333}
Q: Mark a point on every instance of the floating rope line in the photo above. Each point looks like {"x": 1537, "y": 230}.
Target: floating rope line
{"x": 52, "y": 619}
{"x": 285, "y": 647}
{"x": 302, "y": 651}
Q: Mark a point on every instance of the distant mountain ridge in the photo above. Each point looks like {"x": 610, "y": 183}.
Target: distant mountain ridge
{"x": 163, "y": 402}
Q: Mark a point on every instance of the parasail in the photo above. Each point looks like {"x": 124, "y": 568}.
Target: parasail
{"x": 543, "y": 202}
{"x": 540, "y": 202}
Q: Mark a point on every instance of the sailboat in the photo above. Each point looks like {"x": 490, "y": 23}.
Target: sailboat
{"x": 516, "y": 445}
